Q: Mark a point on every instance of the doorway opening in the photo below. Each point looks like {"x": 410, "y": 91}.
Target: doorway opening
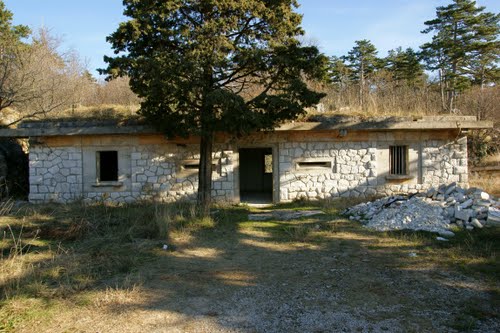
{"x": 256, "y": 175}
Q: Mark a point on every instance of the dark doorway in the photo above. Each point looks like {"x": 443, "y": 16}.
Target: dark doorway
{"x": 256, "y": 175}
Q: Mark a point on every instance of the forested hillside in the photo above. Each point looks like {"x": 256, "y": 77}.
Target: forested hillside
{"x": 455, "y": 72}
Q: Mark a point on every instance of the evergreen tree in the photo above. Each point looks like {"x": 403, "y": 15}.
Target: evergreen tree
{"x": 11, "y": 46}
{"x": 339, "y": 73}
{"x": 13, "y": 33}
{"x": 219, "y": 65}
{"x": 363, "y": 61}
{"x": 464, "y": 47}
{"x": 405, "y": 66}
{"x": 486, "y": 52}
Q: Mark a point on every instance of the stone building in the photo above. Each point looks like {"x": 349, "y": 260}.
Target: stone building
{"x": 124, "y": 163}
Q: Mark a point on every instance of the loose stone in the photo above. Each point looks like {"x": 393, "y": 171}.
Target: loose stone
{"x": 475, "y": 223}
{"x": 424, "y": 211}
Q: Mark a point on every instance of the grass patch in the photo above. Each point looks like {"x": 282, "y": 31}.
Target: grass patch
{"x": 59, "y": 252}
{"x": 488, "y": 181}
{"x": 100, "y": 258}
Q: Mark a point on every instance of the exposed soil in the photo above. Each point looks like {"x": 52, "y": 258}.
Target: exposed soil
{"x": 312, "y": 275}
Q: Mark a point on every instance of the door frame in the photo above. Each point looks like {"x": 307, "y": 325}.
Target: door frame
{"x": 236, "y": 167}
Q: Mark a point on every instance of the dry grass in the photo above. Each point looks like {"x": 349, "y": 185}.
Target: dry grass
{"x": 491, "y": 160}
{"x": 103, "y": 268}
{"x": 488, "y": 181}
{"x": 98, "y": 112}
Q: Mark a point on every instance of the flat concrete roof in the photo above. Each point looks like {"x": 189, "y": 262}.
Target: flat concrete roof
{"x": 324, "y": 123}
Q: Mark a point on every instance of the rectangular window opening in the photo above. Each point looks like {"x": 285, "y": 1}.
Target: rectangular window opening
{"x": 315, "y": 165}
{"x": 398, "y": 156}
{"x": 194, "y": 165}
{"x": 191, "y": 166}
{"x": 107, "y": 166}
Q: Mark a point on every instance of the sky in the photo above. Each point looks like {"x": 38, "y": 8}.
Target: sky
{"x": 332, "y": 25}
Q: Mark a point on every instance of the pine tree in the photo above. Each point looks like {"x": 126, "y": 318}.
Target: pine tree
{"x": 339, "y": 73}
{"x": 405, "y": 67}
{"x": 464, "y": 47}
{"x": 219, "y": 65}
{"x": 363, "y": 61}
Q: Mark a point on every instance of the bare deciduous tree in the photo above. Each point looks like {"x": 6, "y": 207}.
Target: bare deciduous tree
{"x": 37, "y": 80}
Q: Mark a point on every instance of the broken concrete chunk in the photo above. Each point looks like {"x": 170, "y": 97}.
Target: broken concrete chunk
{"x": 450, "y": 188}
{"x": 484, "y": 203}
{"x": 484, "y": 196}
{"x": 442, "y": 189}
{"x": 493, "y": 216}
{"x": 463, "y": 214}
{"x": 466, "y": 209}
{"x": 447, "y": 233}
{"x": 460, "y": 197}
{"x": 467, "y": 203}
{"x": 431, "y": 192}
{"x": 476, "y": 224}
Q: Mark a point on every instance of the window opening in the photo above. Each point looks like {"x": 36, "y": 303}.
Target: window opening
{"x": 107, "y": 166}
{"x": 315, "y": 165}
{"x": 191, "y": 166}
{"x": 398, "y": 156}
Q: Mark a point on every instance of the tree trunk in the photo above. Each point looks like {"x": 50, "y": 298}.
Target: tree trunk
{"x": 454, "y": 69}
{"x": 205, "y": 174}
{"x": 452, "y": 89}
{"x": 441, "y": 87}
{"x": 362, "y": 87}
{"x": 451, "y": 100}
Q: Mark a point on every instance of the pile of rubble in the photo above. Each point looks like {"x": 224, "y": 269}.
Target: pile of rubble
{"x": 437, "y": 210}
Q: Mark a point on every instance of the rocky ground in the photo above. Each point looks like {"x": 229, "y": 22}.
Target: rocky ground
{"x": 439, "y": 210}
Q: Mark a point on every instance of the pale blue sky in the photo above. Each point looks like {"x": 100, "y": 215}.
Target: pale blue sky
{"x": 333, "y": 25}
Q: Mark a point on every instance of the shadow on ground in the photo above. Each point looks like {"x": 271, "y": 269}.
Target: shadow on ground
{"x": 317, "y": 274}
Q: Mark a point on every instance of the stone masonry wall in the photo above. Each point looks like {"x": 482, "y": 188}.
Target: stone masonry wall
{"x": 354, "y": 171}
{"x": 56, "y": 174}
{"x": 445, "y": 163}
{"x": 154, "y": 172}
{"x": 156, "y": 175}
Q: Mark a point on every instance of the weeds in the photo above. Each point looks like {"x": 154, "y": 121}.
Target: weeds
{"x": 298, "y": 233}
{"x": 84, "y": 245}
{"x": 15, "y": 266}
{"x": 6, "y": 207}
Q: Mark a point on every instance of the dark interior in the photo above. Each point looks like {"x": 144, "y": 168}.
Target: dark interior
{"x": 256, "y": 177}
{"x": 108, "y": 166}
